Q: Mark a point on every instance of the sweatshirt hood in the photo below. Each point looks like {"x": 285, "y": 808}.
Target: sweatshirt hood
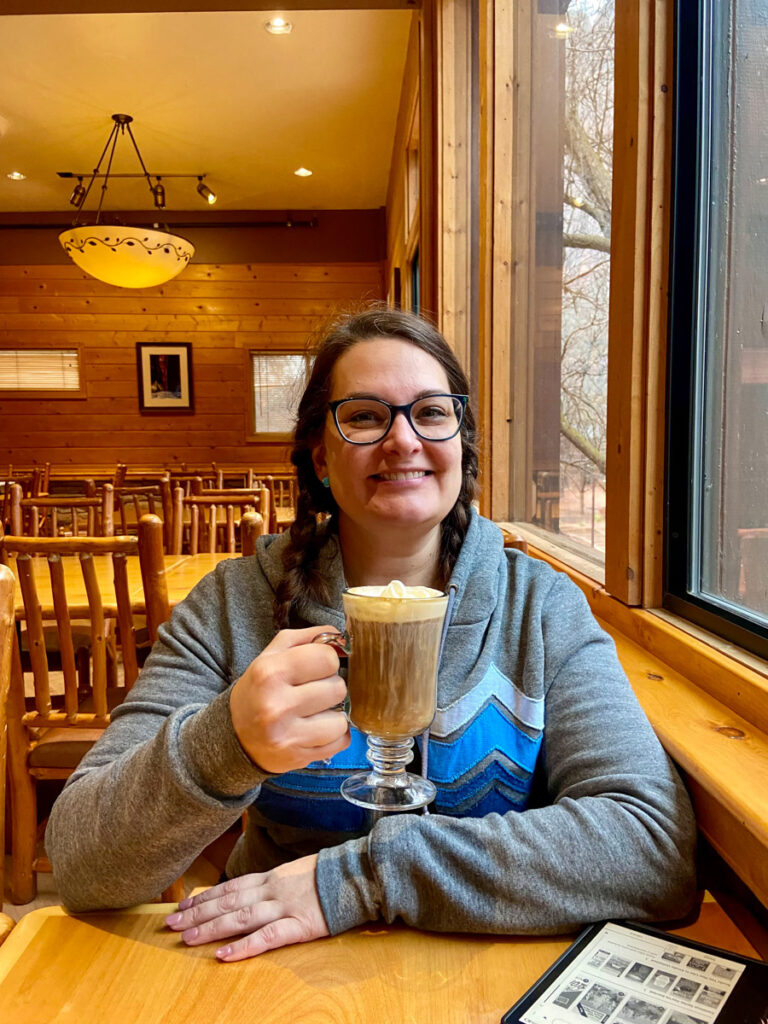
{"x": 481, "y": 555}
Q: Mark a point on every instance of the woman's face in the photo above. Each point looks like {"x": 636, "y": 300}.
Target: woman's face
{"x": 400, "y": 480}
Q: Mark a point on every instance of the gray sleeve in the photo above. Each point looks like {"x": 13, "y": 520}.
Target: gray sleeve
{"x": 615, "y": 839}
{"x": 166, "y": 778}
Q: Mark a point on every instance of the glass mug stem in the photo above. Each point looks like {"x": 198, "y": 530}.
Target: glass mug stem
{"x": 389, "y": 757}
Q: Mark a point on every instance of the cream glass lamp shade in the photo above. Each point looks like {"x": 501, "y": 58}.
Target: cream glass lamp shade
{"x": 127, "y": 257}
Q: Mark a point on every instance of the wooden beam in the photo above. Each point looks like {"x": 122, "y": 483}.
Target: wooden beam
{"x": 638, "y": 309}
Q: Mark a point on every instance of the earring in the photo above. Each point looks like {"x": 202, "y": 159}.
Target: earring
{"x": 326, "y": 482}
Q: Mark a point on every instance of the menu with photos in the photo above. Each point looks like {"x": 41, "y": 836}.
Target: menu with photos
{"x": 629, "y": 974}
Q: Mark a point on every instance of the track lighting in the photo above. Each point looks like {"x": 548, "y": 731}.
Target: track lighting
{"x": 124, "y": 256}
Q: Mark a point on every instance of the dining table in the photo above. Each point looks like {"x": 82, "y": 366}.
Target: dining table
{"x": 182, "y": 572}
{"x": 127, "y": 967}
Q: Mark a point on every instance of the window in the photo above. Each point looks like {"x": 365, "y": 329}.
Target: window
{"x": 415, "y": 283}
{"x": 563, "y": 138}
{"x": 39, "y": 370}
{"x": 717, "y": 460}
{"x": 278, "y": 382}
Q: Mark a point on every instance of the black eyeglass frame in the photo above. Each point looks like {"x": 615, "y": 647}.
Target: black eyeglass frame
{"x": 406, "y": 411}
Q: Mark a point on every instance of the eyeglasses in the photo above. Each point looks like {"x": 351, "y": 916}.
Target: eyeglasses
{"x": 368, "y": 420}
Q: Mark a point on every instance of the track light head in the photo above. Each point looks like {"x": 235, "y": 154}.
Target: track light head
{"x": 78, "y": 194}
{"x": 158, "y": 194}
{"x": 205, "y": 192}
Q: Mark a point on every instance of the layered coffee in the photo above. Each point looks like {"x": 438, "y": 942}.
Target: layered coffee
{"x": 394, "y": 636}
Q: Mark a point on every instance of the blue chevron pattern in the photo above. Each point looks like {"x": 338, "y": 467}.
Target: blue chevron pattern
{"x": 486, "y": 766}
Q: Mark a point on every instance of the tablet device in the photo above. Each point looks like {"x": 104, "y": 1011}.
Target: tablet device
{"x": 622, "y": 973}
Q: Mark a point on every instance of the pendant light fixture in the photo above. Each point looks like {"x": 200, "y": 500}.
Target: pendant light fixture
{"x": 130, "y": 257}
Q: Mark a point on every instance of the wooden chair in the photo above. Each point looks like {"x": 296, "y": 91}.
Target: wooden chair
{"x": 75, "y": 516}
{"x": 32, "y": 483}
{"x": 283, "y": 492}
{"x": 211, "y": 520}
{"x": 46, "y": 516}
{"x": 134, "y": 501}
{"x": 189, "y": 480}
{"x": 7, "y": 589}
{"x": 514, "y": 540}
{"x": 50, "y": 733}
{"x": 259, "y": 491}
{"x": 237, "y": 477}
{"x": 251, "y": 528}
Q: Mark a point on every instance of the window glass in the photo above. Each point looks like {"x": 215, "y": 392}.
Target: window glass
{"x": 415, "y": 284}
{"x": 39, "y": 370}
{"x": 718, "y": 454}
{"x": 570, "y": 166}
{"x": 278, "y": 383}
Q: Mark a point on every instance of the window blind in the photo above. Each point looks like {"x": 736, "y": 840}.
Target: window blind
{"x": 278, "y": 381}
{"x": 46, "y": 369}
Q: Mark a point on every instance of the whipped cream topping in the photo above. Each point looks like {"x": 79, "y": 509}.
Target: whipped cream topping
{"x": 394, "y": 602}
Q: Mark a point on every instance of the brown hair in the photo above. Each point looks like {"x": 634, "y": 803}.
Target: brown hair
{"x": 302, "y": 581}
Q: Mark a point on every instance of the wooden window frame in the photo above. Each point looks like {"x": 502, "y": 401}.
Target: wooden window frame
{"x": 57, "y": 394}
{"x": 705, "y": 697}
{"x": 638, "y": 304}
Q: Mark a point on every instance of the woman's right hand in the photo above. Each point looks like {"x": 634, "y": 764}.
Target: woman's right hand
{"x": 284, "y": 705}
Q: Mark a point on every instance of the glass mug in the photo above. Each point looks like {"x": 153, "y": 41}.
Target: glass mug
{"x": 393, "y": 645}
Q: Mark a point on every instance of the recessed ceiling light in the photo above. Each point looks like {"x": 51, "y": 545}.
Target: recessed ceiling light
{"x": 16, "y": 176}
{"x": 278, "y": 26}
{"x": 302, "y": 172}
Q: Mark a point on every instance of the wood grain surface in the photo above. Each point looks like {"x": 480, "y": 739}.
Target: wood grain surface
{"x": 127, "y": 968}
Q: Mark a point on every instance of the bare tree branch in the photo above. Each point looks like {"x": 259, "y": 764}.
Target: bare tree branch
{"x": 582, "y": 444}
{"x": 582, "y": 241}
{"x": 585, "y": 206}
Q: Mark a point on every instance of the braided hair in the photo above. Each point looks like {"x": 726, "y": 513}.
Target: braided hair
{"x": 302, "y": 581}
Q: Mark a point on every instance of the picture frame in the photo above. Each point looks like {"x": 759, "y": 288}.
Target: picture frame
{"x": 165, "y": 377}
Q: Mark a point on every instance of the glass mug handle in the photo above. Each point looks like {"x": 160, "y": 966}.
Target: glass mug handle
{"x": 338, "y": 641}
{"x": 340, "y": 644}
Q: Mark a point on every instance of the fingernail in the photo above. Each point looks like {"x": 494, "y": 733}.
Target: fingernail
{"x": 173, "y": 919}
{"x": 224, "y": 952}
{"x": 189, "y": 934}
{"x": 185, "y": 904}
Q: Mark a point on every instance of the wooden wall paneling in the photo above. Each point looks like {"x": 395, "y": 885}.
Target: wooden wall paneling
{"x": 454, "y": 175}
{"x": 277, "y": 272}
{"x": 58, "y": 306}
{"x": 429, "y": 242}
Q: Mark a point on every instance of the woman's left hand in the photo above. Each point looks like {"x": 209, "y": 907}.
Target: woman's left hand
{"x": 275, "y": 908}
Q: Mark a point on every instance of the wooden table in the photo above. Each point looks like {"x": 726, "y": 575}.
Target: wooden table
{"x": 127, "y": 968}
{"x": 182, "y": 573}
{"x": 189, "y": 570}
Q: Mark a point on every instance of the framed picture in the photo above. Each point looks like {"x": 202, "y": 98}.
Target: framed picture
{"x": 165, "y": 377}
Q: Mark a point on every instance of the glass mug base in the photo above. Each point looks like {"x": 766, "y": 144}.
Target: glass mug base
{"x": 388, "y": 787}
{"x": 404, "y": 792}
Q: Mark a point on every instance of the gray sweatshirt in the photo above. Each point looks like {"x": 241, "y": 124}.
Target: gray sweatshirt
{"x": 555, "y": 805}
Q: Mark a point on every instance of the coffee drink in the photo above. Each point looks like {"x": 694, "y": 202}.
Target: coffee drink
{"x": 394, "y": 638}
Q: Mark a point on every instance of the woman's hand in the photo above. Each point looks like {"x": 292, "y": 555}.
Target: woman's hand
{"x": 283, "y": 705}
{"x": 276, "y": 908}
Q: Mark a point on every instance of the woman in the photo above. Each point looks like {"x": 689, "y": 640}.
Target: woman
{"x": 555, "y": 802}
